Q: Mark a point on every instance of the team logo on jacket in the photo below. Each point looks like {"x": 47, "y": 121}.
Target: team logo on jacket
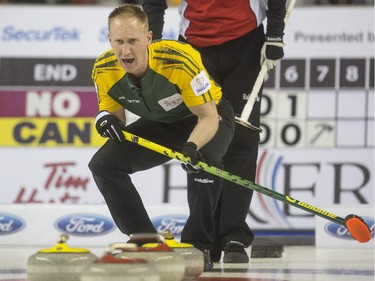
{"x": 200, "y": 83}
{"x": 85, "y": 225}
{"x": 340, "y": 231}
{"x": 172, "y": 223}
{"x": 10, "y": 224}
{"x": 171, "y": 102}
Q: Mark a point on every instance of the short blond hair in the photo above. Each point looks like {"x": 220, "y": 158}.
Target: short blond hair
{"x": 129, "y": 10}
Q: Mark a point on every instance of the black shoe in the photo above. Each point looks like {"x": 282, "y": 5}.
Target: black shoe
{"x": 208, "y": 264}
{"x": 215, "y": 254}
{"x": 234, "y": 252}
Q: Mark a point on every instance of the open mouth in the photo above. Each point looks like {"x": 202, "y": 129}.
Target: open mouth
{"x": 128, "y": 61}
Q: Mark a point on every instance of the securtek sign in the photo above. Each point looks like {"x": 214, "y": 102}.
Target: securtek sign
{"x": 52, "y": 34}
{"x": 50, "y": 31}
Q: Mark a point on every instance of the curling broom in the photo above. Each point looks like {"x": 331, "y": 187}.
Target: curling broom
{"x": 243, "y": 119}
{"x": 356, "y": 226}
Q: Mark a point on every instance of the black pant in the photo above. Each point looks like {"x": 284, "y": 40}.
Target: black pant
{"x": 114, "y": 162}
{"x": 235, "y": 66}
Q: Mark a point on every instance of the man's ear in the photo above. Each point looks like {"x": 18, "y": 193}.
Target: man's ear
{"x": 149, "y": 37}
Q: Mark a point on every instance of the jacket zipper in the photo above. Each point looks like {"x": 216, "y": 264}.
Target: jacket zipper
{"x": 139, "y": 92}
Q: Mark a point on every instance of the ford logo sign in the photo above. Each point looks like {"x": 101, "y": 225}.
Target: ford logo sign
{"x": 85, "y": 225}
{"x": 340, "y": 231}
{"x": 172, "y": 223}
{"x": 10, "y": 224}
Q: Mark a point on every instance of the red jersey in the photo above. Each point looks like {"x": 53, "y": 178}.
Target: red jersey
{"x": 222, "y": 20}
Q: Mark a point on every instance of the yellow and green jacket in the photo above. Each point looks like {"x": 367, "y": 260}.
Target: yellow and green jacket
{"x": 175, "y": 79}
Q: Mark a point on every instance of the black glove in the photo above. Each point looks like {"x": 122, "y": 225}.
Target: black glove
{"x": 109, "y": 126}
{"x": 272, "y": 51}
{"x": 190, "y": 150}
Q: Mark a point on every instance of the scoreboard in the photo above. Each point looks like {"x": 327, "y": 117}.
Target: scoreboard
{"x": 319, "y": 103}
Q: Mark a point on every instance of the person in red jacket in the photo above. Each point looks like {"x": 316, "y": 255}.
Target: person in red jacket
{"x": 232, "y": 41}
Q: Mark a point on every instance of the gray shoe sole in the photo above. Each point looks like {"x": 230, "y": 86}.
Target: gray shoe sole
{"x": 235, "y": 257}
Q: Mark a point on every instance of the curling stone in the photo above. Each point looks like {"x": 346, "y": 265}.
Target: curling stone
{"x": 168, "y": 262}
{"x": 193, "y": 258}
{"x": 114, "y": 269}
{"x": 58, "y": 263}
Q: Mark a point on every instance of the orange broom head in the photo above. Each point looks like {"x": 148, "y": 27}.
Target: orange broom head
{"x": 357, "y": 228}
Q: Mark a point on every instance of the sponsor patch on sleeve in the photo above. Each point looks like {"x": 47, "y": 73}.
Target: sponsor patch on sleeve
{"x": 200, "y": 83}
